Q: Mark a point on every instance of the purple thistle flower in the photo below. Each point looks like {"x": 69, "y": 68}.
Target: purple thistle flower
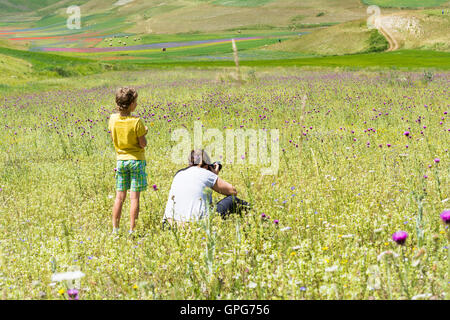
{"x": 73, "y": 294}
{"x": 155, "y": 187}
{"x": 445, "y": 216}
{"x": 437, "y": 160}
{"x": 406, "y": 133}
{"x": 276, "y": 221}
{"x": 400, "y": 237}
{"x": 263, "y": 215}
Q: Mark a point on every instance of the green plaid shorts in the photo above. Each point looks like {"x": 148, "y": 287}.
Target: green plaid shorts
{"x": 131, "y": 174}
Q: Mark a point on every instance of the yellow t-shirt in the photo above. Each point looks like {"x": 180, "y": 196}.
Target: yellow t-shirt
{"x": 125, "y": 132}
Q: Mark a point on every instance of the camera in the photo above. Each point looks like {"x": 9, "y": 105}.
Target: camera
{"x": 212, "y": 166}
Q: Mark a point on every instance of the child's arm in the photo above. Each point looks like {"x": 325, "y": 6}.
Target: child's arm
{"x": 142, "y": 142}
{"x": 141, "y": 133}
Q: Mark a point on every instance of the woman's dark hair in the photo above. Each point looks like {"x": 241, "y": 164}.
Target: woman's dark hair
{"x": 125, "y": 97}
{"x": 197, "y": 157}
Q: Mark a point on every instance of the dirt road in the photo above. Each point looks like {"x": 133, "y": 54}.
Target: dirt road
{"x": 393, "y": 44}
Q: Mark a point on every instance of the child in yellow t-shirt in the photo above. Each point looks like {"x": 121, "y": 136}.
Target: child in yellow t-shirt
{"x": 128, "y": 135}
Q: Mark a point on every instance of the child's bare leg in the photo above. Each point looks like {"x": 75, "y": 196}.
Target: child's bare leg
{"x": 134, "y": 209}
{"x": 117, "y": 209}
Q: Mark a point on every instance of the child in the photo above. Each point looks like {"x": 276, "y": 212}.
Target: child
{"x": 128, "y": 134}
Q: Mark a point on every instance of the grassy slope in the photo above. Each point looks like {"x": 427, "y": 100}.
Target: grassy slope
{"x": 14, "y": 69}
{"x": 46, "y": 5}
{"x": 31, "y": 65}
{"x": 427, "y": 29}
{"x": 209, "y": 17}
{"x": 402, "y": 59}
{"x": 34, "y": 81}
{"x": 346, "y": 38}
{"x": 156, "y": 16}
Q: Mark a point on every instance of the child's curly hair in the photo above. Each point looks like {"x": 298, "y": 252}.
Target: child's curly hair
{"x": 125, "y": 96}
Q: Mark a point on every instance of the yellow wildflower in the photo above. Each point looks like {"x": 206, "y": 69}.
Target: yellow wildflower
{"x": 61, "y": 291}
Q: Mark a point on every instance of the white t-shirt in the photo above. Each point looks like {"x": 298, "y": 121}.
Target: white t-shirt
{"x": 189, "y": 194}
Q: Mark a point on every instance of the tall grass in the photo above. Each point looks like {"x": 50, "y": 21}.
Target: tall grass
{"x": 337, "y": 202}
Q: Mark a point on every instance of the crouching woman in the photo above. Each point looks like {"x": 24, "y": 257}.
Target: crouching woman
{"x": 190, "y": 198}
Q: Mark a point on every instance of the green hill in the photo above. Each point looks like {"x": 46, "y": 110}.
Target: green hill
{"x": 180, "y": 16}
{"x": 412, "y": 29}
{"x": 20, "y": 64}
{"x": 419, "y": 29}
{"x": 347, "y": 38}
{"x": 17, "y": 6}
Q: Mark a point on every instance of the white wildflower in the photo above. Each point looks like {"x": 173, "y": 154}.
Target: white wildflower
{"x": 373, "y": 281}
{"x": 421, "y": 296}
{"x": 228, "y": 261}
{"x": 387, "y": 253}
{"x": 331, "y": 269}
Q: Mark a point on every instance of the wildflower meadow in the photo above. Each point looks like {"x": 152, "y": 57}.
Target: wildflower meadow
{"x": 358, "y": 209}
